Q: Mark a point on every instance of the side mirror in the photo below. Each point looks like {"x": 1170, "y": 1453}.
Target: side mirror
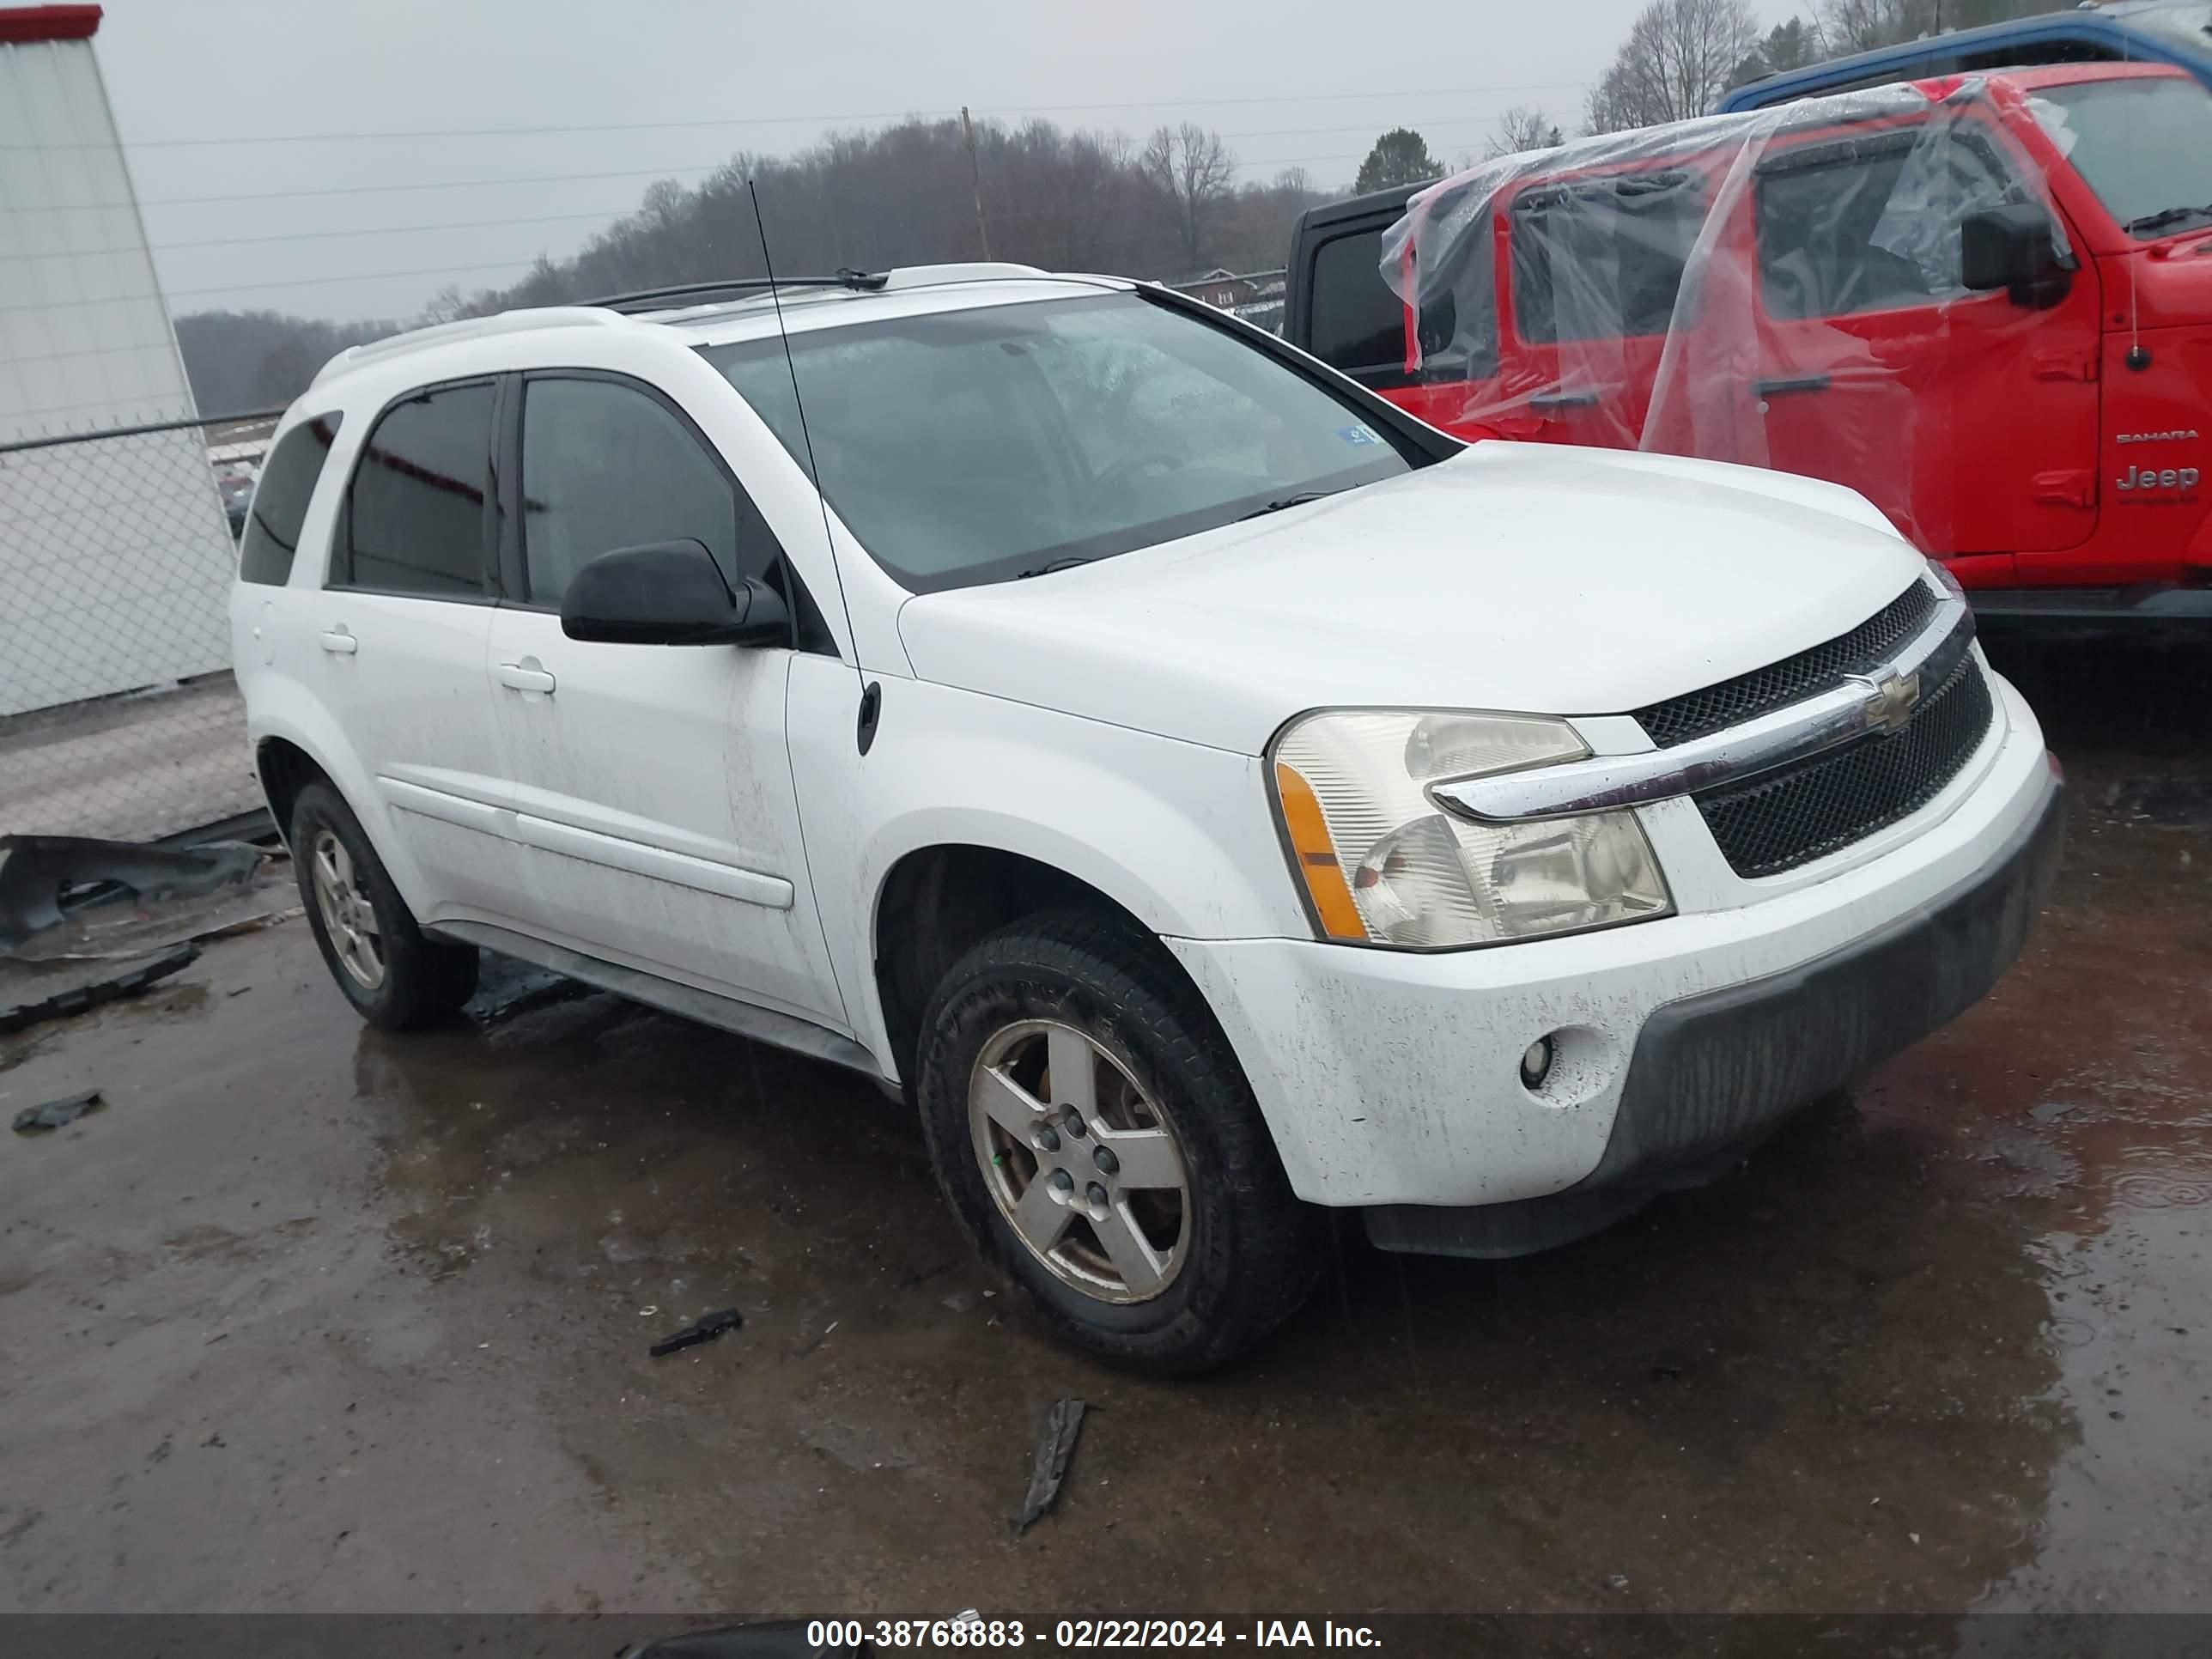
{"x": 669, "y": 593}
{"x": 2013, "y": 247}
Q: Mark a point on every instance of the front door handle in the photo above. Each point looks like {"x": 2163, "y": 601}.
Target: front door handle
{"x": 1560, "y": 396}
{"x": 525, "y": 675}
{"x": 339, "y": 641}
{"x": 1793, "y": 383}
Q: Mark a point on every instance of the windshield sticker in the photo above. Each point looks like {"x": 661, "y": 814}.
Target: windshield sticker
{"x": 1358, "y": 434}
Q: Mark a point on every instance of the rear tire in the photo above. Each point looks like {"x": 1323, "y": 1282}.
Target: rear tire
{"x": 1174, "y": 1253}
{"x": 394, "y": 976}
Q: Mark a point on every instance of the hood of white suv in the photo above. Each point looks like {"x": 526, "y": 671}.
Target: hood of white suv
{"x": 1537, "y": 578}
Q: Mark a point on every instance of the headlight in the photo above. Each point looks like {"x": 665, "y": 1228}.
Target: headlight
{"x": 1382, "y": 863}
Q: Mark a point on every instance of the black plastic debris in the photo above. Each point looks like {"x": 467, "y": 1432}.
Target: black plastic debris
{"x": 41, "y": 875}
{"x": 55, "y": 1114}
{"x": 706, "y": 1329}
{"x": 79, "y": 997}
{"x": 1055, "y": 1447}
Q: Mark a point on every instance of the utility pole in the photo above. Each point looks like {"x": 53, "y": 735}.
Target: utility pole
{"x": 976, "y": 172}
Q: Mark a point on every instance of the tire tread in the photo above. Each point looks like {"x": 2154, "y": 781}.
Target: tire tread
{"x": 1172, "y": 1032}
{"x": 426, "y": 981}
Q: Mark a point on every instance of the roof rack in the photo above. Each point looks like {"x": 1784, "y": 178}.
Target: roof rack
{"x": 501, "y": 322}
{"x": 660, "y": 299}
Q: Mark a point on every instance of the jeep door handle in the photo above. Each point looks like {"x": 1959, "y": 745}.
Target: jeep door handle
{"x": 1794, "y": 383}
{"x": 526, "y": 677}
{"x": 339, "y": 641}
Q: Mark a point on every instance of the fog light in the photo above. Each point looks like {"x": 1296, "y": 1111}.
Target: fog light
{"x": 1536, "y": 1063}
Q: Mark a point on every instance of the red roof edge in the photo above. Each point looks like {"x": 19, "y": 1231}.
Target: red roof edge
{"x": 21, "y": 25}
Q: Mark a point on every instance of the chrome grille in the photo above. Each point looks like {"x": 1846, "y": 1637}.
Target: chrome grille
{"x": 1794, "y": 679}
{"x": 1780, "y": 819}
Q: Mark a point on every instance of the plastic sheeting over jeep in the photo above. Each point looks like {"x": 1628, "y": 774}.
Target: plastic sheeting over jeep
{"x": 1786, "y": 288}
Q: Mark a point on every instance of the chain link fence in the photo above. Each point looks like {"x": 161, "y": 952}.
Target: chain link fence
{"x": 118, "y": 715}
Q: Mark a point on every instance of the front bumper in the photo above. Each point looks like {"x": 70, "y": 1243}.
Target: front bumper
{"x": 1391, "y": 1078}
{"x": 1715, "y": 1074}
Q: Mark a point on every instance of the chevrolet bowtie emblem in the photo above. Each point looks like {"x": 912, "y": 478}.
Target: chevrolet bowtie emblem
{"x": 1890, "y": 700}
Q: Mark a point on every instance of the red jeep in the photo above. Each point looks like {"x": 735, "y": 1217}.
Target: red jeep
{"x": 1985, "y": 302}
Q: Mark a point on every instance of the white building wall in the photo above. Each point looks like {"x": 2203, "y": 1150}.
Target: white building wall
{"x": 114, "y": 556}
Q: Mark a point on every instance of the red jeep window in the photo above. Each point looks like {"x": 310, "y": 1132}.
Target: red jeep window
{"x": 1600, "y": 258}
{"x": 1871, "y": 223}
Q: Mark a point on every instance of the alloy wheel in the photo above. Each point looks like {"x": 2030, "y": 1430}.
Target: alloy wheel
{"x": 348, "y": 916}
{"x": 1082, "y": 1165}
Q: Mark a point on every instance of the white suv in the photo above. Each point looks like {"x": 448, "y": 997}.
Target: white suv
{"x": 1207, "y": 792}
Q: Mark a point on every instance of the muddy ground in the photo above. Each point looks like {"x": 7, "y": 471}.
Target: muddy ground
{"x": 310, "y": 1318}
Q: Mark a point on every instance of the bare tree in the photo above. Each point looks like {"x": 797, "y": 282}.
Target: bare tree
{"x": 1195, "y": 170}
{"x": 1523, "y": 127}
{"x": 1794, "y": 44}
{"x": 446, "y": 306}
{"x": 242, "y": 360}
{"x": 902, "y": 194}
{"x": 1860, "y": 25}
{"x": 1675, "y": 64}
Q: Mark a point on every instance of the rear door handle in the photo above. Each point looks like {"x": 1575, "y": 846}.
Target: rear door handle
{"x": 526, "y": 677}
{"x": 339, "y": 641}
{"x": 1794, "y": 383}
{"x": 1562, "y": 398}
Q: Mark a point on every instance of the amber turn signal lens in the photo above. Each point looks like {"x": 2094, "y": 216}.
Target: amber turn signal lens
{"x": 1316, "y": 856}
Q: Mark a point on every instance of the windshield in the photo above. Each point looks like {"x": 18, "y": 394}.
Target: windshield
{"x": 977, "y": 446}
{"x": 2145, "y": 147}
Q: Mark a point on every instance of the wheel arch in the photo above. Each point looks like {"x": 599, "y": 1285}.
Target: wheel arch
{"x": 936, "y": 901}
{"x": 296, "y": 745}
{"x": 285, "y": 768}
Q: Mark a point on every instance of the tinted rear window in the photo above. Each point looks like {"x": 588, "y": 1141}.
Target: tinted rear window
{"x": 280, "y": 502}
{"x": 416, "y": 519}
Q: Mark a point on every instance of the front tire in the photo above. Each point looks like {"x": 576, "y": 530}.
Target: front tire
{"x": 395, "y": 976}
{"x": 1096, "y": 1136}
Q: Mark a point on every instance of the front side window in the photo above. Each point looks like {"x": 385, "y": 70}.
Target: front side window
{"x": 1603, "y": 258}
{"x": 414, "y": 516}
{"x": 1872, "y": 223}
{"x": 975, "y": 446}
{"x": 2144, "y": 146}
{"x": 604, "y": 466}
{"x": 280, "y": 502}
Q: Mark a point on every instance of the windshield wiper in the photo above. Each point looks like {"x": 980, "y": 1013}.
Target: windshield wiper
{"x": 1051, "y": 565}
{"x": 2163, "y": 218}
{"x": 1298, "y": 500}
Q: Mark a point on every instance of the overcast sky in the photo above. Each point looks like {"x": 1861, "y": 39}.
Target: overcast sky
{"x": 350, "y": 167}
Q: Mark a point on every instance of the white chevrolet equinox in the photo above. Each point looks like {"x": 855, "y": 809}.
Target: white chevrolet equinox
{"x": 1207, "y": 793}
